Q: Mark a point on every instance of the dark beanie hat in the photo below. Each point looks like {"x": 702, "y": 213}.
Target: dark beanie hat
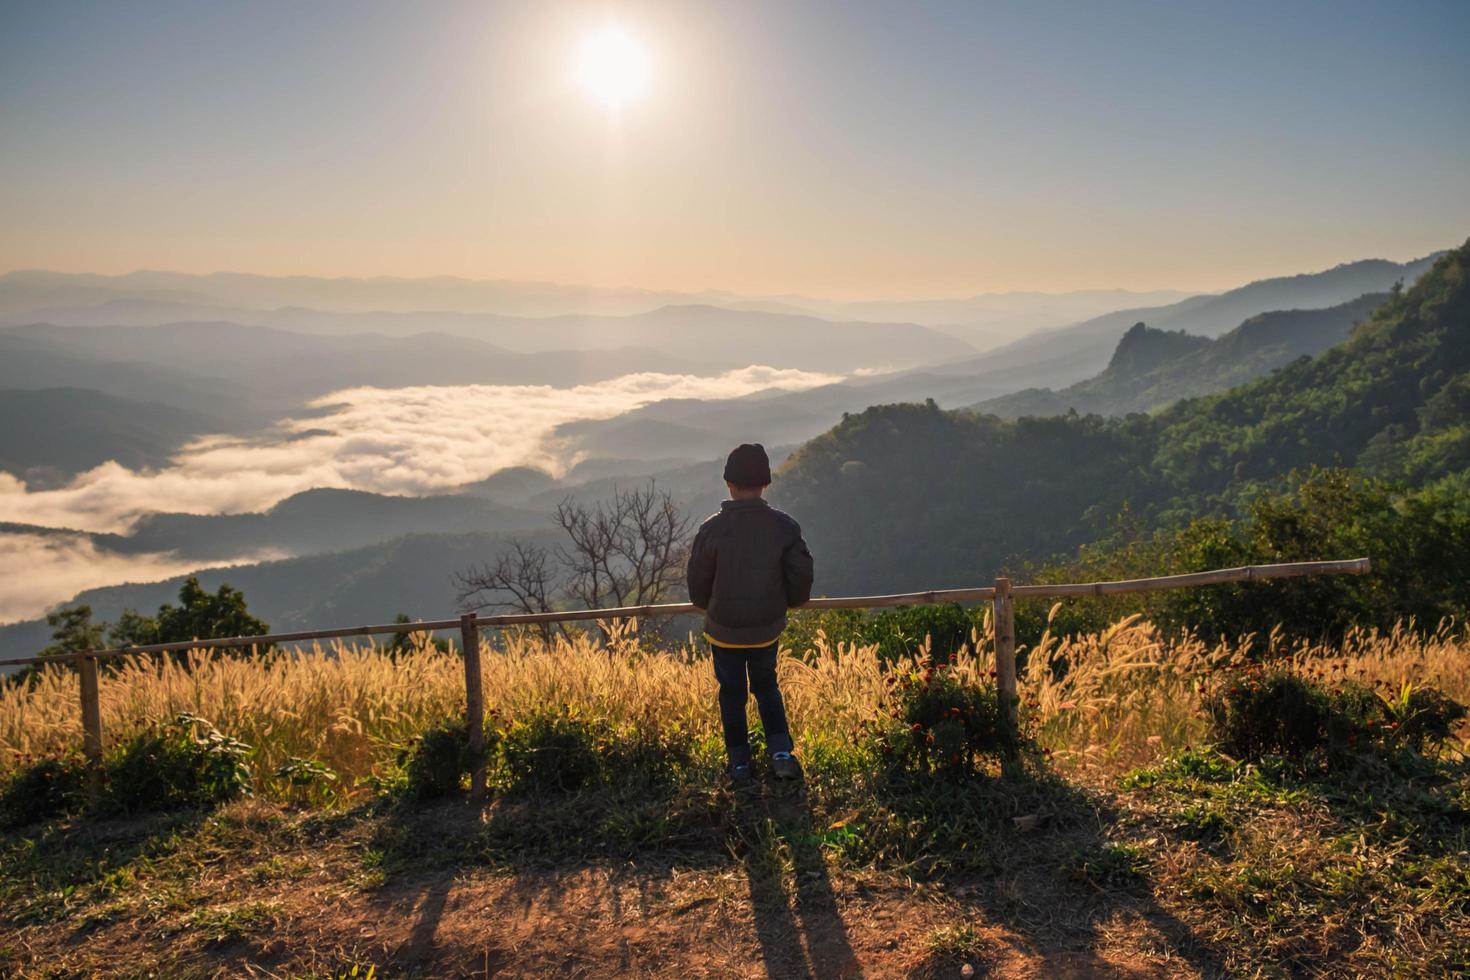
{"x": 748, "y": 466}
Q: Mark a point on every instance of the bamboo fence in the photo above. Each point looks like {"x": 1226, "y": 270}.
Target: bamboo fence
{"x": 1002, "y": 594}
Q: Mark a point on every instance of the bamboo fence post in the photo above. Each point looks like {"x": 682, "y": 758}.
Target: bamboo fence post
{"x": 1005, "y": 656}
{"x": 91, "y": 721}
{"x": 474, "y": 702}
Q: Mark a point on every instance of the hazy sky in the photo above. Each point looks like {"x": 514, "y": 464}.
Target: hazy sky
{"x": 842, "y": 148}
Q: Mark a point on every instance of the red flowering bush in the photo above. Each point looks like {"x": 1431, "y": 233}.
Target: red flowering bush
{"x": 935, "y": 722}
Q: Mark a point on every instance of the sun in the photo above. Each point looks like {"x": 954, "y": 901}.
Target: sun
{"x": 613, "y": 67}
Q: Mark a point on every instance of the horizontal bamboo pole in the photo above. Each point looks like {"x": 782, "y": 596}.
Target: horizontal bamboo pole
{"x": 514, "y": 619}
{"x": 1249, "y": 573}
{"x": 1246, "y": 573}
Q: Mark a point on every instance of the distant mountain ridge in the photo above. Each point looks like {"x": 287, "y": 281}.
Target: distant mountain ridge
{"x": 1154, "y": 368}
{"x": 142, "y": 298}
{"x": 296, "y": 366}
{"x": 672, "y": 339}
{"x": 1050, "y": 360}
{"x": 318, "y": 521}
{"x": 1080, "y": 351}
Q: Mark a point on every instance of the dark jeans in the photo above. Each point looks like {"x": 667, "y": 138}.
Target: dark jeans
{"x": 732, "y": 667}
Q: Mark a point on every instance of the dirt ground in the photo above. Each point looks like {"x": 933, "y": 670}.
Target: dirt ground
{"x": 315, "y": 907}
{"x": 596, "y": 923}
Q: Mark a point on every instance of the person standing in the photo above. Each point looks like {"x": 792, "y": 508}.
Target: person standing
{"x": 747, "y": 567}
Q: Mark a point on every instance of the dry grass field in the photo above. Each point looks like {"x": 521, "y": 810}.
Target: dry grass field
{"x": 1124, "y": 845}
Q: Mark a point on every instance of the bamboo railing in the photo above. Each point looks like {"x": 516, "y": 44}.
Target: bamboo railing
{"x": 1002, "y": 595}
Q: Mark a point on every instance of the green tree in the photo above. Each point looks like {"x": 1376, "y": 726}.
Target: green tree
{"x": 73, "y": 631}
{"x": 402, "y": 644}
{"x": 200, "y": 615}
{"x": 1418, "y": 539}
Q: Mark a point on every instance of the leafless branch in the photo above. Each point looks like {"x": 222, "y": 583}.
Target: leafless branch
{"x": 519, "y": 580}
{"x": 626, "y": 550}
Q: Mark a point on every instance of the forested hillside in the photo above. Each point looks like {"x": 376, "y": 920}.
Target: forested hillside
{"x": 904, "y": 496}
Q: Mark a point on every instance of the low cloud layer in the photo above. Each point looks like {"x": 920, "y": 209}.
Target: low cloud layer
{"x": 399, "y": 441}
{"x": 42, "y": 570}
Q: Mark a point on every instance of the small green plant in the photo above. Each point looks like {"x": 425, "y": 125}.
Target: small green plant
{"x": 186, "y": 763}
{"x": 43, "y": 790}
{"x": 1182, "y": 768}
{"x": 960, "y": 942}
{"x": 937, "y": 723}
{"x": 310, "y": 781}
{"x": 1109, "y": 865}
{"x": 1205, "y": 822}
{"x": 222, "y": 924}
{"x": 1419, "y": 718}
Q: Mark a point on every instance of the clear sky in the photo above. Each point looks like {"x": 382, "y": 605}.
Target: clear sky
{"x": 841, "y": 148}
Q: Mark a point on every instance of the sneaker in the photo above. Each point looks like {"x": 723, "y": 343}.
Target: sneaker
{"x": 783, "y": 766}
{"x": 741, "y": 776}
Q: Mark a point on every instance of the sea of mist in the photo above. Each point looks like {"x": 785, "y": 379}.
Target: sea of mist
{"x": 403, "y": 441}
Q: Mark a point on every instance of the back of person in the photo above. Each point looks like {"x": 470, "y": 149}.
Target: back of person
{"x": 761, "y": 567}
{"x": 747, "y": 566}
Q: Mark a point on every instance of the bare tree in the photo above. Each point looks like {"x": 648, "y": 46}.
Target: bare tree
{"x": 625, "y": 551}
{"x": 520, "y": 580}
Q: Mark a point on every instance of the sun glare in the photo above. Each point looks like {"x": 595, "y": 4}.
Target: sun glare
{"x": 613, "y": 67}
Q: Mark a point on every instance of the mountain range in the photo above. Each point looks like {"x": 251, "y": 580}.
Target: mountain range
{"x": 911, "y": 496}
{"x": 893, "y": 497}
{"x": 1077, "y": 352}
{"x": 1052, "y": 359}
{"x": 53, "y": 433}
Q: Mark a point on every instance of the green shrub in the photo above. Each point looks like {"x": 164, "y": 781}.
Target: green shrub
{"x": 897, "y": 633}
{"x": 936, "y": 723}
{"x": 1264, "y": 713}
{"x": 1107, "y": 866}
{"x": 802, "y": 626}
{"x": 551, "y": 751}
{"x": 560, "y": 751}
{"x": 1258, "y": 714}
{"x": 902, "y": 632}
{"x": 186, "y": 763}
{"x": 438, "y": 763}
{"x": 43, "y": 790}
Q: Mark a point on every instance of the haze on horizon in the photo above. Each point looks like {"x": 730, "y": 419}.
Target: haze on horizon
{"x": 846, "y": 150}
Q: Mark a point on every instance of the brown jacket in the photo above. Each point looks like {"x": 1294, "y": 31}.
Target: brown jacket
{"x": 748, "y": 566}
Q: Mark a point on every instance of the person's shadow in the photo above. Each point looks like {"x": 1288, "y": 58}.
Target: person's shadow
{"x": 800, "y": 931}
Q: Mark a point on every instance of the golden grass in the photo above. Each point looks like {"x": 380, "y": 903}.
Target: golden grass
{"x": 1103, "y": 701}
{"x": 1122, "y": 697}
